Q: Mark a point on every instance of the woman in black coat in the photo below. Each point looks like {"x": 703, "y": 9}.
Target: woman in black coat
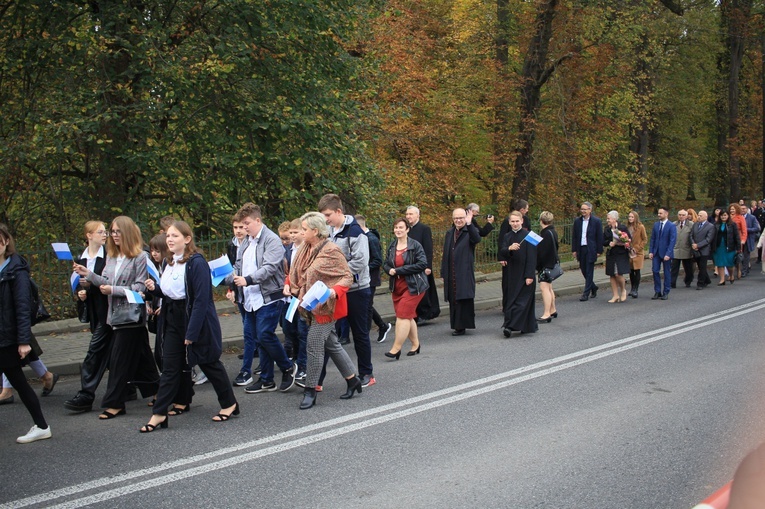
{"x": 405, "y": 263}
{"x": 96, "y": 307}
{"x": 617, "y": 238}
{"x": 192, "y": 334}
{"x": 16, "y": 331}
{"x": 547, "y": 258}
{"x": 519, "y": 290}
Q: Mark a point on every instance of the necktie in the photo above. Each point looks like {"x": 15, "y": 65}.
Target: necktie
{"x": 661, "y": 229}
{"x": 682, "y": 224}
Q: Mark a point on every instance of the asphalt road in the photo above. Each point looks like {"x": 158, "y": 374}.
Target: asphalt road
{"x": 645, "y": 404}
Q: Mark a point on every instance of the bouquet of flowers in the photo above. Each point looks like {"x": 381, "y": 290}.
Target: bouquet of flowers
{"x": 622, "y": 239}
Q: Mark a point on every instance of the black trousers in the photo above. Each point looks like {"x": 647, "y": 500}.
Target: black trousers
{"x": 702, "y": 262}
{"x": 10, "y": 365}
{"x": 374, "y": 316}
{"x": 175, "y": 385}
{"x": 96, "y": 361}
{"x": 131, "y": 361}
{"x": 216, "y": 374}
{"x": 687, "y": 267}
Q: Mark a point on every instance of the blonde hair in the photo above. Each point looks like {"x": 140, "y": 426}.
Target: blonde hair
{"x": 316, "y": 221}
{"x": 131, "y": 243}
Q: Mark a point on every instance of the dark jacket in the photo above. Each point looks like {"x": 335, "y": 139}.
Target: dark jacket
{"x": 732, "y": 236}
{"x": 608, "y": 237}
{"x": 485, "y": 230}
{"x": 375, "y": 258}
{"x": 231, "y": 248}
{"x": 96, "y": 304}
{"x": 459, "y": 256}
{"x": 15, "y": 303}
{"x": 413, "y": 269}
{"x": 547, "y": 250}
{"x": 202, "y": 324}
{"x": 424, "y": 235}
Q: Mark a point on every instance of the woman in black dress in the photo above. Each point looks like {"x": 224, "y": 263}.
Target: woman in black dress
{"x": 547, "y": 257}
{"x": 520, "y": 287}
{"x": 617, "y": 238}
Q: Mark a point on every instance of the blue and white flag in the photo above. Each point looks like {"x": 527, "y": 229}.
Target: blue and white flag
{"x": 533, "y": 238}
{"x": 74, "y": 281}
{"x": 62, "y": 250}
{"x": 291, "y": 309}
{"x": 152, "y": 270}
{"x": 133, "y": 297}
{"x": 317, "y": 294}
{"x": 219, "y": 269}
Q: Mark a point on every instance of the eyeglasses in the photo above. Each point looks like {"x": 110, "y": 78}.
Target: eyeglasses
{"x": 116, "y": 233}
{"x": 101, "y": 232}
{"x": 459, "y": 218}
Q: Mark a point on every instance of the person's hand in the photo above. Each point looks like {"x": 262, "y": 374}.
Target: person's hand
{"x": 574, "y": 253}
{"x": 695, "y": 246}
{"x": 286, "y": 291}
{"x": 81, "y": 270}
{"x": 230, "y": 295}
{"x": 149, "y": 283}
{"x": 650, "y": 256}
{"x": 529, "y": 280}
{"x": 24, "y": 350}
{"x": 428, "y": 272}
{"x": 612, "y": 243}
{"x": 489, "y": 218}
{"x": 392, "y": 272}
{"x": 503, "y": 263}
{"x": 82, "y": 295}
{"x": 332, "y": 293}
{"x": 105, "y": 289}
{"x": 666, "y": 258}
{"x": 85, "y": 283}
{"x": 240, "y": 281}
{"x": 515, "y": 247}
{"x": 187, "y": 342}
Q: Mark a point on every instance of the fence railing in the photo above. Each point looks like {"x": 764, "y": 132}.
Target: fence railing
{"x": 52, "y": 275}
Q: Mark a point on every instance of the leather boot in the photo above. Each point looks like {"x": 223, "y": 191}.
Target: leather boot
{"x": 354, "y": 384}
{"x": 635, "y": 291}
{"x": 309, "y": 398}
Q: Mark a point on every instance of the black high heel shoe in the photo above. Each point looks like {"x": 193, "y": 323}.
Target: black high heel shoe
{"x": 396, "y": 355}
{"x": 148, "y": 428}
{"x": 354, "y": 384}
{"x": 555, "y": 315}
{"x": 544, "y": 320}
{"x": 223, "y": 417}
{"x": 176, "y": 410}
{"x": 414, "y": 352}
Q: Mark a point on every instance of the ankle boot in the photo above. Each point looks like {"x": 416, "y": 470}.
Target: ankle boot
{"x": 309, "y": 398}
{"x": 635, "y": 291}
{"x": 354, "y": 384}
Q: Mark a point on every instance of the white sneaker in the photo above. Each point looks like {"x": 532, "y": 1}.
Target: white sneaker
{"x": 200, "y": 379}
{"x": 35, "y": 434}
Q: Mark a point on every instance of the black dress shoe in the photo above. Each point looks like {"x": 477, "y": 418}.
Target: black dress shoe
{"x": 507, "y": 332}
{"x": 656, "y": 296}
{"x": 594, "y": 292}
{"x": 458, "y": 332}
{"x": 585, "y": 296}
{"x": 544, "y": 320}
{"x": 78, "y": 404}
{"x": 664, "y": 296}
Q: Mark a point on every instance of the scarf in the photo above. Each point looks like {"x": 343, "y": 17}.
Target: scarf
{"x": 324, "y": 262}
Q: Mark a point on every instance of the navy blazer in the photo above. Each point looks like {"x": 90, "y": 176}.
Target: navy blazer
{"x": 594, "y": 236}
{"x": 664, "y": 244}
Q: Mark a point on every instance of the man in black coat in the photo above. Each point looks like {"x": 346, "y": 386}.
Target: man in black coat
{"x": 488, "y": 227}
{"x": 458, "y": 271}
{"x": 429, "y": 307}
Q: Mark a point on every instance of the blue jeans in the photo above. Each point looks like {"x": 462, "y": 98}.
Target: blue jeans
{"x": 263, "y": 322}
{"x": 296, "y": 332}
{"x": 250, "y": 343}
{"x": 657, "y": 263}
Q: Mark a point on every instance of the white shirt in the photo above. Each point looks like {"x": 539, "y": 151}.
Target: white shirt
{"x": 253, "y": 299}
{"x": 91, "y": 262}
{"x": 173, "y": 280}
{"x": 585, "y": 224}
{"x": 120, "y": 260}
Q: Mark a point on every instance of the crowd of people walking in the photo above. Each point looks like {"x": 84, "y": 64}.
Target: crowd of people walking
{"x": 334, "y": 259}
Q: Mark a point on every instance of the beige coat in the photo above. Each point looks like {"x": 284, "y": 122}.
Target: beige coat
{"x": 639, "y": 240}
{"x": 683, "y": 243}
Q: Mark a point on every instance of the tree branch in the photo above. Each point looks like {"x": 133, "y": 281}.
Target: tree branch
{"x": 674, "y": 6}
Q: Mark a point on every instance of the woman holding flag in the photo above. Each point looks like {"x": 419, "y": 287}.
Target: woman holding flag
{"x": 518, "y": 249}
{"x": 191, "y": 331}
{"x": 319, "y": 260}
{"x": 121, "y": 280}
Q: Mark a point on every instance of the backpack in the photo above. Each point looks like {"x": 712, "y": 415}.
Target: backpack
{"x": 39, "y": 313}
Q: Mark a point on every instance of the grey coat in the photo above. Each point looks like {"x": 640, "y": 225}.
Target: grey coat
{"x": 703, "y": 237}
{"x": 131, "y": 276}
{"x": 683, "y": 243}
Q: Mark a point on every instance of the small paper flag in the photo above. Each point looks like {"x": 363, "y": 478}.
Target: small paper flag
{"x": 152, "y": 270}
{"x": 62, "y": 250}
{"x": 533, "y": 239}
{"x": 133, "y": 297}
{"x": 291, "y": 309}
{"x": 74, "y": 281}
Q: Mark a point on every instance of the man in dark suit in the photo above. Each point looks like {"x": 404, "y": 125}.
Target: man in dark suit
{"x": 429, "y": 307}
{"x": 458, "y": 271}
{"x": 663, "y": 239}
{"x": 702, "y": 235}
{"x": 586, "y": 245}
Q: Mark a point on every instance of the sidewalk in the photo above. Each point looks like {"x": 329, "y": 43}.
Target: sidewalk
{"x": 65, "y": 342}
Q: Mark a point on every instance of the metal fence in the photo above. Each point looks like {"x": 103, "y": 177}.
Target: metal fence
{"x": 52, "y": 275}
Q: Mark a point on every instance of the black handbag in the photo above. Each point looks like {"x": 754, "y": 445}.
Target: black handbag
{"x": 555, "y": 272}
{"x": 127, "y": 314}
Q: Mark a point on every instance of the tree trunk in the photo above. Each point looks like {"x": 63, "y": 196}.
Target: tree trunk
{"x": 501, "y": 113}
